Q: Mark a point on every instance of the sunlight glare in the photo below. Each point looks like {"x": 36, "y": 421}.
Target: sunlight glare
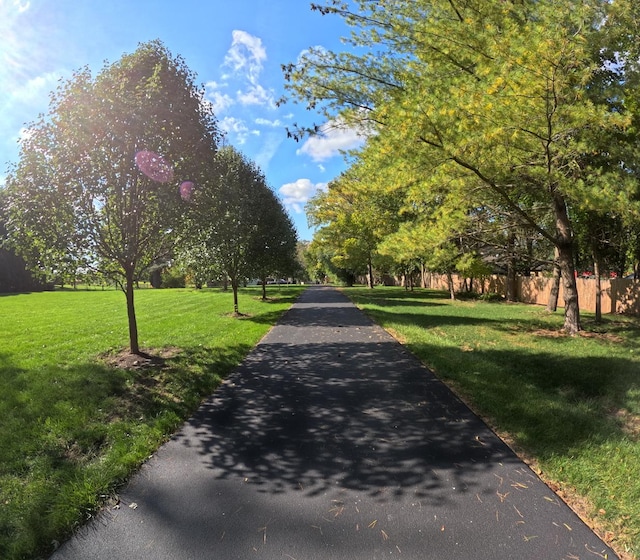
{"x": 154, "y": 166}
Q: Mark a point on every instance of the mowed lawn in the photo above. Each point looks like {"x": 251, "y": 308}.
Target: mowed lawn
{"x": 72, "y": 424}
{"x": 571, "y": 405}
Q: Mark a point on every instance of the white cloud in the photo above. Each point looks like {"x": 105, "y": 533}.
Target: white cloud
{"x": 334, "y": 138}
{"x": 256, "y": 95}
{"x": 220, "y": 101}
{"x": 246, "y": 55}
{"x": 312, "y": 54}
{"x": 24, "y": 134}
{"x": 267, "y": 122}
{"x": 238, "y": 128}
{"x": 21, "y": 6}
{"x": 36, "y": 89}
{"x": 272, "y": 141}
{"x": 295, "y": 195}
{"x": 245, "y": 59}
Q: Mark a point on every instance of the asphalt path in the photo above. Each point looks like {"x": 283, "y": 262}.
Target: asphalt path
{"x": 331, "y": 441}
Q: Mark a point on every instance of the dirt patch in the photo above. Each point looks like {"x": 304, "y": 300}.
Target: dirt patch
{"x": 609, "y": 337}
{"x": 153, "y": 358}
{"x": 630, "y": 423}
{"x": 550, "y": 333}
{"x": 559, "y": 333}
{"x": 395, "y": 334}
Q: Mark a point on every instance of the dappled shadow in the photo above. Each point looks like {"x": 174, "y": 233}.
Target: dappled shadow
{"x": 334, "y": 315}
{"x": 609, "y": 329}
{"x": 265, "y": 318}
{"x": 59, "y": 419}
{"x": 625, "y": 296}
{"x": 332, "y": 441}
{"x": 434, "y": 320}
{"x": 312, "y": 416}
{"x": 565, "y": 401}
{"x": 584, "y": 392}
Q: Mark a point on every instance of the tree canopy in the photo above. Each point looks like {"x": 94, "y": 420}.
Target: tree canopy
{"x": 97, "y": 183}
{"x": 235, "y": 222}
{"x": 487, "y": 111}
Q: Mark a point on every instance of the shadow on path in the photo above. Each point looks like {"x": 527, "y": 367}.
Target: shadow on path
{"x": 306, "y": 417}
{"x": 331, "y": 441}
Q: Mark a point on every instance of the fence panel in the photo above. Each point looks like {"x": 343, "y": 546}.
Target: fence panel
{"x": 619, "y": 295}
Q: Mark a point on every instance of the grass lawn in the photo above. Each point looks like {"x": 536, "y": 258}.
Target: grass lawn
{"x": 571, "y": 405}
{"x": 72, "y": 425}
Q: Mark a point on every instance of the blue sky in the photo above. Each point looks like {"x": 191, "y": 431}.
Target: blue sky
{"x": 235, "y": 47}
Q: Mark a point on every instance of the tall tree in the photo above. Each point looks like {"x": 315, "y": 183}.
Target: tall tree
{"x": 98, "y": 176}
{"x": 224, "y": 218}
{"x": 353, "y": 216}
{"x": 273, "y": 249}
{"x": 490, "y": 92}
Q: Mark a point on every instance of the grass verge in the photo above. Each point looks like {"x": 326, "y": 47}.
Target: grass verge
{"x": 73, "y": 426}
{"x": 569, "y": 405}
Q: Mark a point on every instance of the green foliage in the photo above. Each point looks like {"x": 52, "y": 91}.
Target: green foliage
{"x": 78, "y": 197}
{"x": 498, "y": 122}
{"x": 353, "y": 216}
{"x": 273, "y": 247}
{"x": 173, "y": 278}
{"x": 234, "y": 225}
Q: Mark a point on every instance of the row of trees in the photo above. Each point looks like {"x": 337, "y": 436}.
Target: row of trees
{"x": 501, "y": 133}
{"x": 124, "y": 172}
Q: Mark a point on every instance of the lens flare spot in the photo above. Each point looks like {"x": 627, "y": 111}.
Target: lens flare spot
{"x": 186, "y": 189}
{"x": 154, "y": 166}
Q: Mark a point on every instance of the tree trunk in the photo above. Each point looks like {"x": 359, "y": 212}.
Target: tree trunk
{"x": 564, "y": 244}
{"x": 569, "y": 291}
{"x": 264, "y": 288}
{"x": 452, "y": 291}
{"x": 511, "y": 270}
{"x": 596, "y": 271}
{"x": 131, "y": 313}
{"x": 234, "y": 287}
{"x": 552, "y": 304}
{"x": 370, "y": 270}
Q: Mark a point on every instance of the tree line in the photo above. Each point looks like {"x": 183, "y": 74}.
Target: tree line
{"x": 126, "y": 172}
{"x": 502, "y": 135}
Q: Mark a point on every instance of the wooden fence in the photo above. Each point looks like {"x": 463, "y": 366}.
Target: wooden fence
{"x": 619, "y": 295}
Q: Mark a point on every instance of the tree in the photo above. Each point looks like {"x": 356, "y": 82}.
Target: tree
{"x": 223, "y": 225}
{"x": 353, "y": 216}
{"x": 317, "y": 261}
{"x": 14, "y": 275}
{"x": 491, "y": 93}
{"x": 98, "y": 176}
{"x": 273, "y": 249}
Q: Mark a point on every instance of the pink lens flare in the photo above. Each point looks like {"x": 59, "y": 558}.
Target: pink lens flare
{"x": 186, "y": 189}
{"x": 154, "y": 166}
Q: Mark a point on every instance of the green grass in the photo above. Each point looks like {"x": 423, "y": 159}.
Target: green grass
{"x": 73, "y": 427}
{"x": 572, "y": 404}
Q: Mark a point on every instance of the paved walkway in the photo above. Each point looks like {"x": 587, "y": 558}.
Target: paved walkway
{"x": 333, "y": 442}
